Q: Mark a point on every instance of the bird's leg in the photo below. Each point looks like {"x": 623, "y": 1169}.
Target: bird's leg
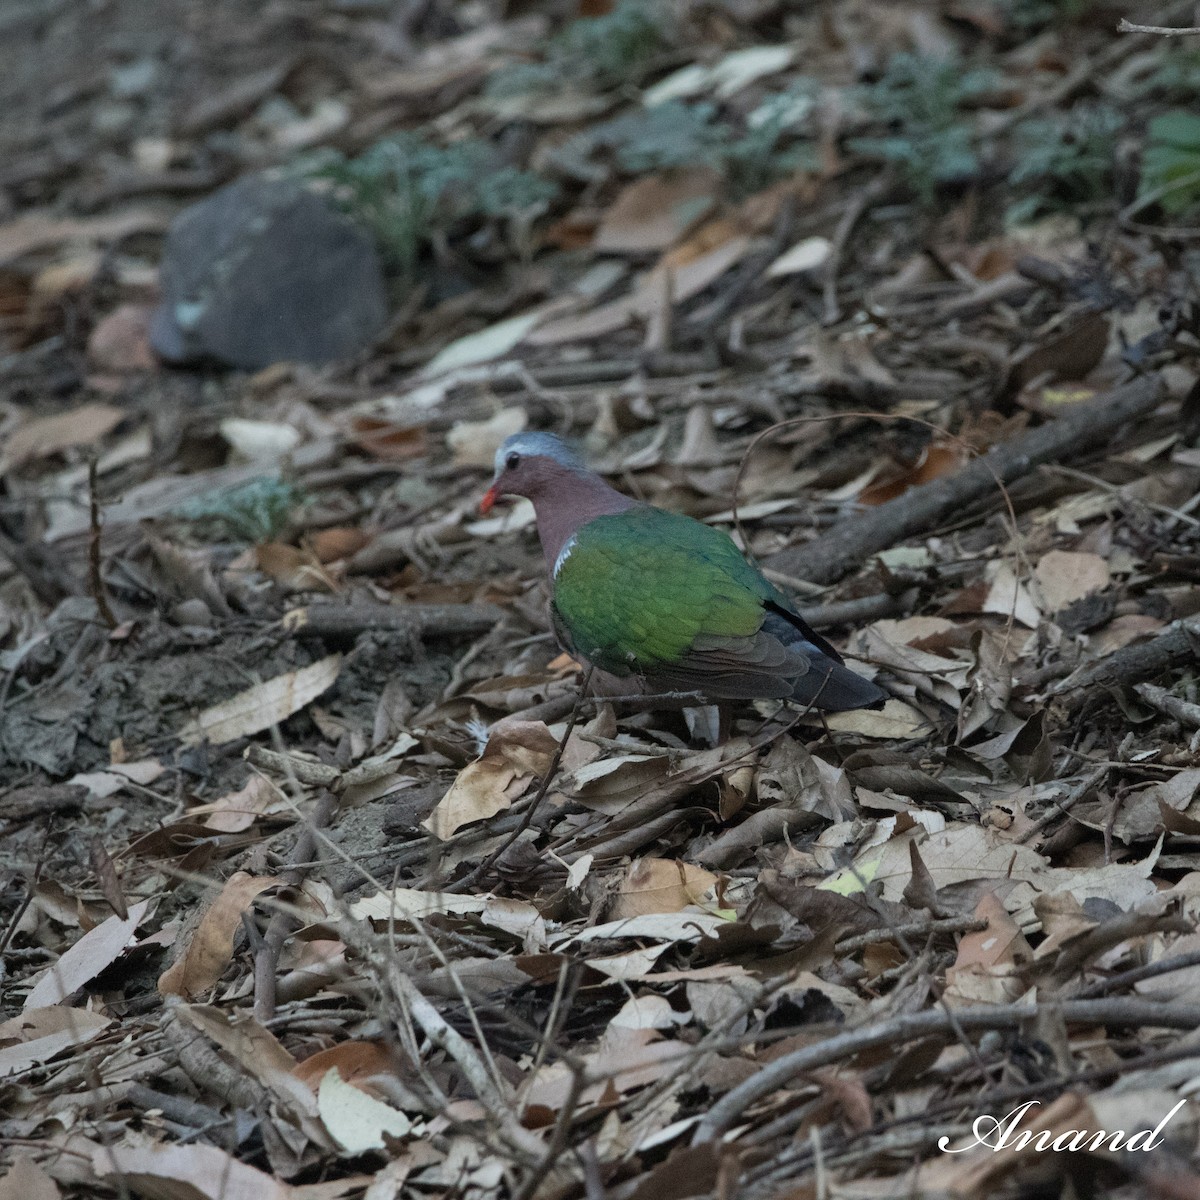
{"x": 841, "y": 760}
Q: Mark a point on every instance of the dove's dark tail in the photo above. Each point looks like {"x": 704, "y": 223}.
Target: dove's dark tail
{"x": 828, "y": 686}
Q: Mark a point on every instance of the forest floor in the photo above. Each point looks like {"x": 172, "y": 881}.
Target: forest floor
{"x": 320, "y": 878}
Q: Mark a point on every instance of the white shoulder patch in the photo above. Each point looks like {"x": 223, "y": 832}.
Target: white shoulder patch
{"x": 563, "y": 555}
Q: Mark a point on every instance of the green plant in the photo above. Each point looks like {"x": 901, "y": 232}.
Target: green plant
{"x": 668, "y": 135}
{"x": 1064, "y": 161}
{"x": 1171, "y": 161}
{"x": 405, "y": 188}
{"x": 1176, "y": 78}
{"x": 674, "y": 135}
{"x": 255, "y": 511}
{"x": 931, "y": 140}
{"x": 757, "y": 158}
{"x": 597, "y": 52}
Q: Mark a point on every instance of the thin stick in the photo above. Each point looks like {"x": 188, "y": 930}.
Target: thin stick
{"x": 95, "y": 580}
{"x": 1124, "y": 26}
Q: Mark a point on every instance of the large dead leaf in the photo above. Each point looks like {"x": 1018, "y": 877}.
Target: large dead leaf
{"x": 185, "y": 1172}
{"x": 988, "y": 967}
{"x": 654, "y": 212}
{"x": 263, "y": 705}
{"x": 686, "y": 280}
{"x": 239, "y": 810}
{"x": 659, "y": 885}
{"x": 206, "y": 956}
{"x": 356, "y": 1121}
{"x": 38, "y": 1034}
{"x": 39, "y": 230}
{"x": 516, "y": 752}
{"x": 1064, "y": 577}
{"x": 27, "y": 1181}
{"x": 97, "y": 949}
{"x": 49, "y": 435}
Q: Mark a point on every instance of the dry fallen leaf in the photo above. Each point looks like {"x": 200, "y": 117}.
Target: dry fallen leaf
{"x": 48, "y": 435}
{"x": 38, "y": 1034}
{"x": 25, "y": 1180}
{"x": 356, "y": 1121}
{"x": 182, "y": 1171}
{"x": 97, "y": 949}
{"x": 516, "y": 752}
{"x": 659, "y": 885}
{"x": 655, "y": 211}
{"x": 263, "y": 705}
{"x": 206, "y": 956}
{"x": 1063, "y": 577}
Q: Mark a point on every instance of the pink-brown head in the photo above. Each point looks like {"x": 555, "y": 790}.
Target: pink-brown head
{"x": 529, "y": 464}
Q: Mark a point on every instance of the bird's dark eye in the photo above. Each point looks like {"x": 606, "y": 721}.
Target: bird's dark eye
{"x": 513, "y": 461}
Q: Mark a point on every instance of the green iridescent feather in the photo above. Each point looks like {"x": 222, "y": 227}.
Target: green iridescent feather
{"x": 639, "y": 587}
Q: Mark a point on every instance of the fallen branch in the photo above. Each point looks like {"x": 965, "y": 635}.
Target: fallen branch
{"x": 849, "y": 543}
{"x": 417, "y": 620}
{"x": 266, "y": 958}
{"x": 912, "y": 1026}
{"x": 1185, "y": 713}
{"x": 1177, "y": 644}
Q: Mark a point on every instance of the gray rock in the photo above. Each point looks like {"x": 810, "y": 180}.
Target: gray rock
{"x": 265, "y": 271}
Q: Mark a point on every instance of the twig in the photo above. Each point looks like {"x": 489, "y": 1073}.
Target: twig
{"x": 418, "y": 620}
{"x": 1164, "y": 966}
{"x": 863, "y": 199}
{"x": 1124, "y": 26}
{"x": 1064, "y": 806}
{"x": 924, "y": 929}
{"x": 464, "y": 884}
{"x": 266, "y": 960}
{"x": 95, "y": 580}
{"x": 849, "y": 543}
{"x": 445, "y": 1037}
{"x": 864, "y": 608}
{"x": 911, "y": 1026}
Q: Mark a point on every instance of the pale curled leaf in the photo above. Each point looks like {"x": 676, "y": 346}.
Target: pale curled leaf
{"x": 263, "y": 705}
{"x": 356, "y": 1121}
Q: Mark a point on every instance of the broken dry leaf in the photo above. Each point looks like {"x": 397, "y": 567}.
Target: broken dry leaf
{"x": 516, "y": 752}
